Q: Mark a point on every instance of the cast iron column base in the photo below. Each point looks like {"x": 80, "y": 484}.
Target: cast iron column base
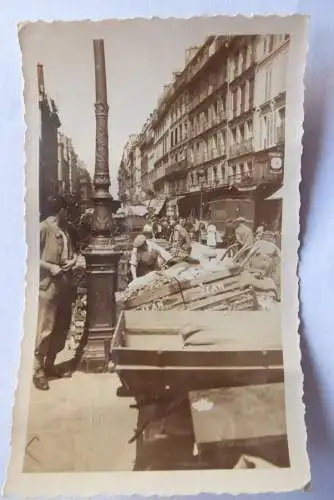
{"x": 102, "y": 259}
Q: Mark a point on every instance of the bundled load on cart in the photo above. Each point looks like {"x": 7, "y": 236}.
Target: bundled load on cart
{"x": 246, "y": 279}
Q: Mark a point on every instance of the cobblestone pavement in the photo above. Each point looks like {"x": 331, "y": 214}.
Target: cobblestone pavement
{"x": 80, "y": 425}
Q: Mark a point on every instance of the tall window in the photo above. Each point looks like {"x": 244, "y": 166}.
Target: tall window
{"x": 234, "y": 135}
{"x": 235, "y": 67}
{"x": 235, "y": 102}
{"x": 197, "y": 158}
{"x": 242, "y": 171}
{"x": 206, "y": 118}
{"x": 214, "y": 174}
{"x": 222, "y": 105}
{"x": 215, "y": 109}
{"x": 242, "y": 98}
{"x": 270, "y": 122}
{"x": 205, "y": 150}
{"x": 246, "y": 95}
{"x": 250, "y": 129}
{"x": 244, "y": 58}
{"x": 249, "y": 55}
{"x": 281, "y": 115}
{"x": 271, "y": 43}
{"x": 214, "y": 145}
{"x": 242, "y": 133}
{"x": 222, "y": 172}
{"x": 251, "y": 94}
{"x": 264, "y": 132}
{"x": 267, "y": 90}
{"x": 250, "y": 168}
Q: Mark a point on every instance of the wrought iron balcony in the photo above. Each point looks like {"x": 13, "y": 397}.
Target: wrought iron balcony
{"x": 255, "y": 178}
{"x": 176, "y": 167}
{"x": 210, "y": 89}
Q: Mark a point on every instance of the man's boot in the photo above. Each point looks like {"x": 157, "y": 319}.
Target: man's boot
{"x": 39, "y": 379}
{"x": 52, "y": 371}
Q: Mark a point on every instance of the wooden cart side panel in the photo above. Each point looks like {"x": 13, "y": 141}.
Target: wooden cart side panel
{"x": 196, "y": 358}
{"x": 154, "y": 381}
{"x": 264, "y": 326}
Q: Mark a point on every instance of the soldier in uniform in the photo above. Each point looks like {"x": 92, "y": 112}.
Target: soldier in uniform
{"x": 56, "y": 293}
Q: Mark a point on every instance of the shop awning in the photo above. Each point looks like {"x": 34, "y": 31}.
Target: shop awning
{"x": 155, "y": 204}
{"x": 173, "y": 201}
{"x": 278, "y": 195}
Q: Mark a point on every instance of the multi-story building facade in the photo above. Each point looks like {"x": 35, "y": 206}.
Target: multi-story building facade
{"x": 190, "y": 122}
{"x": 270, "y": 96}
{"x": 58, "y": 161}
{"x": 146, "y": 146}
{"x": 48, "y": 143}
{"x": 126, "y": 172}
{"x": 218, "y": 129}
{"x": 85, "y": 187}
{"x": 207, "y": 115}
{"x": 68, "y": 167}
{"x": 241, "y": 81}
{"x": 138, "y": 194}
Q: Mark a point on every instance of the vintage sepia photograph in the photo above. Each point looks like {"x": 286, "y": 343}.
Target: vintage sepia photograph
{"x": 163, "y": 162}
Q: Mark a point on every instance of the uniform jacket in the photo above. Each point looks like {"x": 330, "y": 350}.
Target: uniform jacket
{"x": 51, "y": 249}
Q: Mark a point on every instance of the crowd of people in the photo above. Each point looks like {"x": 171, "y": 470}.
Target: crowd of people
{"x": 166, "y": 241}
{"x": 204, "y": 232}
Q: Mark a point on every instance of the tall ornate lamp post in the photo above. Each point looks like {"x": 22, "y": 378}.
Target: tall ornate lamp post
{"x": 102, "y": 257}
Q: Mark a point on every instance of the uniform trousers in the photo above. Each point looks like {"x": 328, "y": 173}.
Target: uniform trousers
{"x": 54, "y": 320}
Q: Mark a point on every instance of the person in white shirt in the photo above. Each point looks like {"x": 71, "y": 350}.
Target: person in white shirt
{"x": 211, "y": 239}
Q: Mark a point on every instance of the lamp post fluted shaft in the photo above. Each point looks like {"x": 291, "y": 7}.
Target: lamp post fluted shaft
{"x": 101, "y": 255}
